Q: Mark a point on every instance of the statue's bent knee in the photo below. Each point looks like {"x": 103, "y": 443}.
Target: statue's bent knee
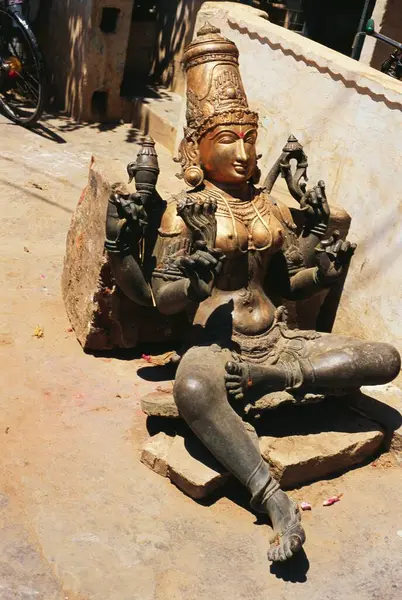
{"x": 391, "y": 360}
{"x": 194, "y": 395}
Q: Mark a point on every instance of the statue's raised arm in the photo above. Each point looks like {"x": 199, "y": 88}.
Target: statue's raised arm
{"x": 132, "y": 224}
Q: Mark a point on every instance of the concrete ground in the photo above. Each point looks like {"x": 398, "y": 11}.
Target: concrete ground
{"x": 80, "y": 517}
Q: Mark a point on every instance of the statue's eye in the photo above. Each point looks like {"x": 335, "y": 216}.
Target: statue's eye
{"x": 250, "y": 139}
{"x": 226, "y": 139}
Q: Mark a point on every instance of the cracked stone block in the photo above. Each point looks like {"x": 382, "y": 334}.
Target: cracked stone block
{"x": 102, "y": 317}
{"x": 383, "y": 404}
{"x": 193, "y": 469}
{"x": 298, "y": 459}
{"x": 155, "y": 452}
{"x": 160, "y": 404}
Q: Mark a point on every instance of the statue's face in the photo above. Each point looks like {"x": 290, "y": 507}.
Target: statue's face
{"x": 228, "y": 154}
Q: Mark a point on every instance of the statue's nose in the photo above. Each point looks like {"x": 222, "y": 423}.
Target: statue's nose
{"x": 241, "y": 150}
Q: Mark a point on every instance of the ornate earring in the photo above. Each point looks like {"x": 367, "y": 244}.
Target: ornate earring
{"x": 194, "y": 176}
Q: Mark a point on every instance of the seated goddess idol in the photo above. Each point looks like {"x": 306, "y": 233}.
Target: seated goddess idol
{"x": 222, "y": 253}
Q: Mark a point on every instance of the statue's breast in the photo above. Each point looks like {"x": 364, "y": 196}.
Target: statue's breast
{"x": 232, "y": 235}
{"x": 248, "y": 226}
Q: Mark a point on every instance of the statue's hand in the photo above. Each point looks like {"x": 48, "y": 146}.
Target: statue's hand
{"x": 200, "y": 220}
{"x": 333, "y": 256}
{"x": 131, "y": 209}
{"x": 315, "y": 206}
{"x": 201, "y": 268}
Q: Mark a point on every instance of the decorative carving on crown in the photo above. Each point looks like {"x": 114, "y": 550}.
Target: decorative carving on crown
{"x": 194, "y": 115}
{"x": 222, "y": 57}
{"x": 228, "y": 91}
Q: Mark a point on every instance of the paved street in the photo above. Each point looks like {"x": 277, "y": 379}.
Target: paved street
{"x": 80, "y": 517}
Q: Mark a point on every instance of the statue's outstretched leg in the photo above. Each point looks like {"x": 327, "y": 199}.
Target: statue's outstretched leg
{"x": 331, "y": 362}
{"x": 201, "y": 397}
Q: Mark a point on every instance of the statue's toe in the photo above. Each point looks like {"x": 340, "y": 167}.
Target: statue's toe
{"x": 232, "y": 368}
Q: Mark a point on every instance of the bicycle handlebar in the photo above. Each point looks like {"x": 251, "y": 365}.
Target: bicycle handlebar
{"x": 370, "y": 30}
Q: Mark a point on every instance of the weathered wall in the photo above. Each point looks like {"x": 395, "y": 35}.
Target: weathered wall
{"x": 175, "y": 23}
{"x": 82, "y": 59}
{"x": 349, "y": 118}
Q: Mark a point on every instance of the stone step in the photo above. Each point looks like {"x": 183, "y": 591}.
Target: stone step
{"x": 186, "y": 462}
{"x": 157, "y": 112}
{"x": 300, "y": 445}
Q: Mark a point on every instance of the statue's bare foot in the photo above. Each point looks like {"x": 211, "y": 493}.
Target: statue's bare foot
{"x": 236, "y": 379}
{"x": 289, "y": 534}
{"x": 241, "y": 376}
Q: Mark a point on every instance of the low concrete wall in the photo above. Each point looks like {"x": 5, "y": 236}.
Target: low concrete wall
{"x": 349, "y": 118}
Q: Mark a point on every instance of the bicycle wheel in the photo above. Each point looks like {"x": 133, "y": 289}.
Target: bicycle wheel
{"x": 22, "y": 70}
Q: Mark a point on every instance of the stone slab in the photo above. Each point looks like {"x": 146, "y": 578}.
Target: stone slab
{"x": 276, "y": 399}
{"x": 383, "y": 404}
{"x": 298, "y": 459}
{"x": 160, "y": 404}
{"x": 193, "y": 469}
{"x": 155, "y": 452}
{"x": 102, "y": 317}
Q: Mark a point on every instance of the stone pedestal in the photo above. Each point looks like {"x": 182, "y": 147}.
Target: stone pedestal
{"x": 300, "y": 443}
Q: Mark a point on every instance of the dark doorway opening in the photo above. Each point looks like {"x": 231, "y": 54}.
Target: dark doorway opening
{"x": 109, "y": 19}
{"x": 99, "y": 102}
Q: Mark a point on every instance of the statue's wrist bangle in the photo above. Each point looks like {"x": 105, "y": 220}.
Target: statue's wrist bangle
{"x": 319, "y": 229}
{"x": 117, "y": 247}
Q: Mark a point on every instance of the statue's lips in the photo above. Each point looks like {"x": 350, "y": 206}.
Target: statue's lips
{"x": 240, "y": 168}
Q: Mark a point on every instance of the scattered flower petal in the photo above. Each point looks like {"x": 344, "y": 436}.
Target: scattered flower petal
{"x": 332, "y": 500}
{"x": 305, "y": 506}
{"x": 160, "y": 360}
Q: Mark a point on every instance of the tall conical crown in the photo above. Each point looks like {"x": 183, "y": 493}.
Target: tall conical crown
{"x": 215, "y": 93}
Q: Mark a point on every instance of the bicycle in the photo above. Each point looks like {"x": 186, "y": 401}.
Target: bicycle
{"x": 22, "y": 67}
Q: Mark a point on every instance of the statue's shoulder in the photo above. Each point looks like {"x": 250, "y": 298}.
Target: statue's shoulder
{"x": 279, "y": 209}
{"x": 172, "y": 224}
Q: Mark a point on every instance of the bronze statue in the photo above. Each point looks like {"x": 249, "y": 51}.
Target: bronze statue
{"x": 224, "y": 250}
